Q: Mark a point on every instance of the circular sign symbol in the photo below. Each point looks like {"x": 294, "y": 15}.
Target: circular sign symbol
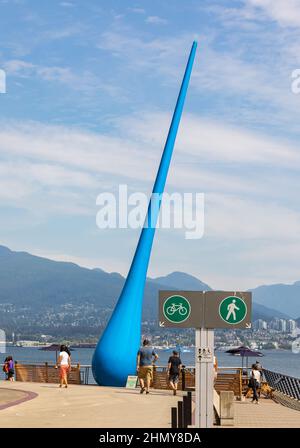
{"x": 176, "y": 309}
{"x": 233, "y": 310}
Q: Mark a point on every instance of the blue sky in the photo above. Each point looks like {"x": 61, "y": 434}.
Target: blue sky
{"x": 91, "y": 86}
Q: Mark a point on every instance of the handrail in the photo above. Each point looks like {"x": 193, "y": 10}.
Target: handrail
{"x": 288, "y": 385}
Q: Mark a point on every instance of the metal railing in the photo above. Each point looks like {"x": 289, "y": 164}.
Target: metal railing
{"x": 288, "y": 385}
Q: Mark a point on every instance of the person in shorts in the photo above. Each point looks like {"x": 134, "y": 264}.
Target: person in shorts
{"x": 64, "y": 364}
{"x": 174, "y": 368}
{"x": 145, "y": 358}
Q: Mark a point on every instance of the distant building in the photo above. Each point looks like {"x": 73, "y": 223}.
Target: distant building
{"x": 274, "y": 324}
{"x": 282, "y": 325}
{"x": 291, "y": 326}
{"x": 260, "y": 325}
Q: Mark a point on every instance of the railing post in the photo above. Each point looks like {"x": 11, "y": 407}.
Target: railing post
{"x": 179, "y": 414}
{"x": 185, "y": 411}
{"x": 173, "y": 417}
{"x": 16, "y": 371}
{"x": 241, "y": 383}
{"x": 189, "y": 396}
{"x": 46, "y": 372}
{"x": 183, "y": 378}
{"x": 78, "y": 376}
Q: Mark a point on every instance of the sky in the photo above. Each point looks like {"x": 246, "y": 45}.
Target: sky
{"x": 91, "y": 88}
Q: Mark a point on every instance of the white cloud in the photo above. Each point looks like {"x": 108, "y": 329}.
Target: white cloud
{"x": 237, "y": 218}
{"x": 111, "y": 265}
{"x": 212, "y": 140}
{"x": 138, "y": 10}
{"x": 228, "y": 74}
{"x": 285, "y": 12}
{"x": 18, "y": 67}
{"x": 70, "y": 167}
{"x": 62, "y": 33}
{"x": 67, "y": 4}
{"x": 85, "y": 81}
{"x": 59, "y": 171}
{"x": 156, "y": 20}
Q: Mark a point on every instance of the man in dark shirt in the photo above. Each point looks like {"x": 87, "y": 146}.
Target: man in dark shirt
{"x": 174, "y": 368}
{"x": 145, "y": 357}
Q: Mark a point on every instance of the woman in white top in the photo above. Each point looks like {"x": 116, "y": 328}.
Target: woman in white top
{"x": 64, "y": 363}
{"x": 254, "y": 382}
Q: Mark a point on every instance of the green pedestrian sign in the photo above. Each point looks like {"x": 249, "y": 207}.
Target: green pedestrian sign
{"x": 233, "y": 310}
{"x": 205, "y": 309}
{"x": 176, "y": 309}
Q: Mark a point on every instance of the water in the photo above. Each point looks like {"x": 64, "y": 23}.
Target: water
{"x": 281, "y": 361}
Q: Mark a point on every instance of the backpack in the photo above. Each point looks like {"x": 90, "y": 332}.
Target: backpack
{"x": 252, "y": 381}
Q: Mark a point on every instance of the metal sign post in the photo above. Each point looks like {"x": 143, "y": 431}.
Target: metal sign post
{"x": 205, "y": 311}
{"x": 204, "y": 352}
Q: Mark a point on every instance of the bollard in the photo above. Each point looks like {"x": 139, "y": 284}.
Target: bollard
{"x": 226, "y": 408}
{"x": 179, "y": 414}
{"x": 173, "y": 417}
{"x": 185, "y": 406}
{"x": 189, "y": 414}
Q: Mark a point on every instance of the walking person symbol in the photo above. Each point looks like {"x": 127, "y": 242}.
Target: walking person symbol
{"x": 232, "y": 308}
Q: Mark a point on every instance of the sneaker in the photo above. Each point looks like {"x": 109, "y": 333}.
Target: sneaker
{"x": 147, "y": 391}
{"x": 142, "y": 390}
{"x": 174, "y": 392}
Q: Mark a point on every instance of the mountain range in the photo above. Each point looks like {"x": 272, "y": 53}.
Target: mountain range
{"x": 30, "y": 281}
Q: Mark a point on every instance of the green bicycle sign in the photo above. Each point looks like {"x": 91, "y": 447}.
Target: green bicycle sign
{"x": 233, "y": 310}
{"x": 176, "y": 309}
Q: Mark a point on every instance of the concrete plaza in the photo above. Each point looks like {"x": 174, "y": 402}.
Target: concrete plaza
{"x": 105, "y": 407}
{"x": 85, "y": 407}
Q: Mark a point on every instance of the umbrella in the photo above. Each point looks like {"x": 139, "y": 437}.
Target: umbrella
{"x": 244, "y": 351}
{"x": 53, "y": 348}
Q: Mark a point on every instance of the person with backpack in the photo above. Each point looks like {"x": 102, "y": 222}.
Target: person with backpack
{"x": 9, "y": 368}
{"x": 5, "y": 368}
{"x": 254, "y": 382}
{"x": 174, "y": 368}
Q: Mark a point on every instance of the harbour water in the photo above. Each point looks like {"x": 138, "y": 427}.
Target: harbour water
{"x": 281, "y": 361}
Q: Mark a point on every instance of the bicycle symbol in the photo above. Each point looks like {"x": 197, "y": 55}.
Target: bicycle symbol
{"x": 176, "y": 309}
{"x": 172, "y": 309}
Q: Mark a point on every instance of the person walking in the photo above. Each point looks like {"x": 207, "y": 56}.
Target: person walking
{"x": 9, "y": 368}
{"x": 254, "y": 382}
{"x": 174, "y": 369}
{"x": 146, "y": 356}
{"x": 5, "y": 368}
{"x": 64, "y": 364}
{"x": 261, "y": 373}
